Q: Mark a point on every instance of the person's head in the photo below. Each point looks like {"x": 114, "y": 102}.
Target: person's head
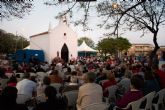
{"x": 148, "y": 74}
{"x": 163, "y": 67}
{"x": 54, "y": 72}
{"x": 12, "y": 79}
{"x": 73, "y": 73}
{"x": 137, "y": 82}
{"x": 91, "y": 76}
{"x": 50, "y": 92}
{"x": 73, "y": 79}
{"x": 17, "y": 75}
{"x": 33, "y": 78}
{"x": 9, "y": 94}
{"x": 84, "y": 77}
{"x": 155, "y": 67}
{"x": 110, "y": 75}
{"x": 27, "y": 75}
{"x": 46, "y": 80}
{"x": 105, "y": 72}
{"x": 127, "y": 74}
{"x": 68, "y": 69}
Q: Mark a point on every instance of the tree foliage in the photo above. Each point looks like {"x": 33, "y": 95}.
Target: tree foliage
{"x": 9, "y": 43}
{"x": 137, "y": 15}
{"x": 145, "y": 16}
{"x": 122, "y": 44}
{"x": 106, "y": 46}
{"x": 87, "y": 40}
{"x": 14, "y": 8}
{"x": 111, "y": 45}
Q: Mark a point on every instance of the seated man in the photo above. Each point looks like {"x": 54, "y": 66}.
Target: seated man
{"x": 89, "y": 92}
{"x": 26, "y": 86}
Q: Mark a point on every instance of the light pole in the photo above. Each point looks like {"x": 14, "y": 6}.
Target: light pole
{"x": 116, "y": 6}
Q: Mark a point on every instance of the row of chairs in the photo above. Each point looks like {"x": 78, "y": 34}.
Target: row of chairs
{"x": 151, "y": 101}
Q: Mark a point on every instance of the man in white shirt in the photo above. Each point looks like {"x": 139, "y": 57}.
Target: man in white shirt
{"x": 89, "y": 92}
{"x": 26, "y": 86}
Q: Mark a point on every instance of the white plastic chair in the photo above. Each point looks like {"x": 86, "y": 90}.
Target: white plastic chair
{"x": 33, "y": 74}
{"x": 96, "y": 106}
{"x": 72, "y": 97}
{"x": 135, "y": 105}
{"x": 149, "y": 97}
{"x": 159, "y": 103}
{"x": 21, "y": 98}
{"x": 41, "y": 74}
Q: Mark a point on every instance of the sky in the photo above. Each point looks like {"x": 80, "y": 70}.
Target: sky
{"x": 41, "y": 16}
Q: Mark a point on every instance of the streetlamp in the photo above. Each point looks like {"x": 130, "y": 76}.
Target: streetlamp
{"x": 116, "y": 6}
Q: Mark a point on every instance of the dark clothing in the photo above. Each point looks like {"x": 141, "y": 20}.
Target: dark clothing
{"x": 58, "y": 104}
{"x": 150, "y": 86}
{"x": 161, "y": 76}
{"x": 8, "y": 100}
{"x": 6, "y": 104}
{"x": 14, "y": 107}
{"x": 100, "y": 78}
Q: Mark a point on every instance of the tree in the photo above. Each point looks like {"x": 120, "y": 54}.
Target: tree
{"x": 138, "y": 15}
{"x": 147, "y": 16}
{"x": 122, "y": 44}
{"x": 9, "y": 43}
{"x": 106, "y": 46}
{"x": 14, "y": 8}
{"x": 111, "y": 45}
{"x": 87, "y": 40}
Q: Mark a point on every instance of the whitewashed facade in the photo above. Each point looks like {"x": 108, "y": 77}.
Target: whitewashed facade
{"x": 60, "y": 41}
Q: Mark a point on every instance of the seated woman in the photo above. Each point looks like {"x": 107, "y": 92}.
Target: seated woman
{"x": 110, "y": 82}
{"x": 52, "y": 101}
{"x": 134, "y": 93}
{"x": 150, "y": 84}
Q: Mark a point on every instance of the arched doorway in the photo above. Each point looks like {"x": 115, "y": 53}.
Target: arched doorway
{"x": 65, "y": 53}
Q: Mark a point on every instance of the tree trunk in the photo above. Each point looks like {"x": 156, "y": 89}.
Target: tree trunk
{"x": 153, "y": 56}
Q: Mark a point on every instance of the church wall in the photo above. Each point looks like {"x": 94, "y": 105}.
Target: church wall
{"x": 41, "y": 42}
{"x": 57, "y": 39}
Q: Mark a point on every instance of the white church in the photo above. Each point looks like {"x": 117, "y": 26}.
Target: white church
{"x": 60, "y": 41}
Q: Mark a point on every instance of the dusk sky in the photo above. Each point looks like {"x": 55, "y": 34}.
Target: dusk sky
{"x": 41, "y": 15}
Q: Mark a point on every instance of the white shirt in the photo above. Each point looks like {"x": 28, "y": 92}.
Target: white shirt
{"x": 89, "y": 93}
{"x": 26, "y": 87}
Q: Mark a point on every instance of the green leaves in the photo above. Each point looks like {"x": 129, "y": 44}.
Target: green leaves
{"x": 87, "y": 40}
{"x": 111, "y": 45}
{"x": 9, "y": 43}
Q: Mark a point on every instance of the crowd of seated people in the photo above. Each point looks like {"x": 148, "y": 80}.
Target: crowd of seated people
{"x": 90, "y": 77}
